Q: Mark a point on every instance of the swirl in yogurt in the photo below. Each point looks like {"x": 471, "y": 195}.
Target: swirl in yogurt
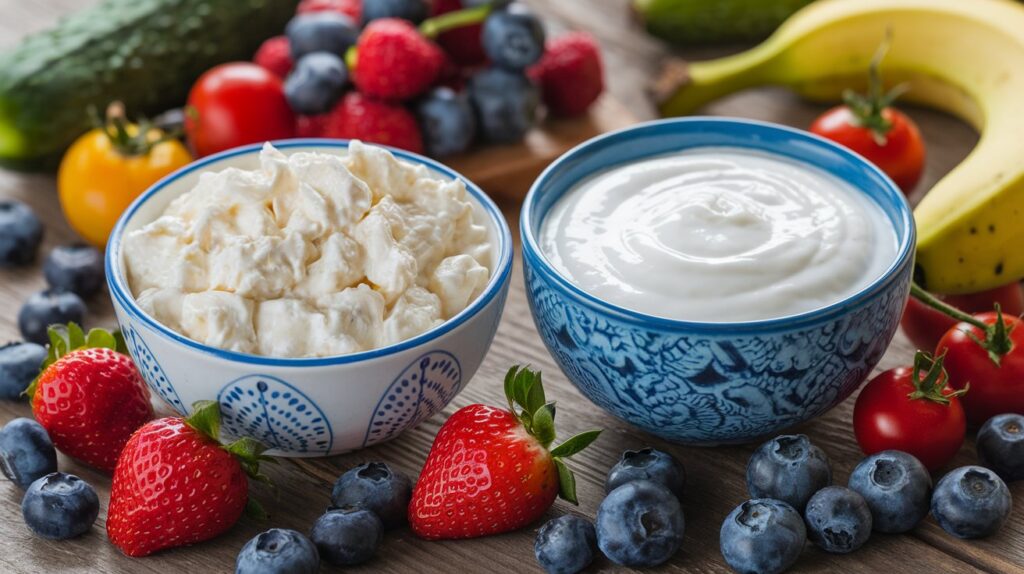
{"x": 718, "y": 235}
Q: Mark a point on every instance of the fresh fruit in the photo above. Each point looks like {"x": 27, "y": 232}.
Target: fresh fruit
{"x": 640, "y": 524}
{"x": 26, "y": 452}
{"x": 19, "y": 364}
{"x": 77, "y": 268}
{"x": 570, "y": 74}
{"x": 175, "y": 484}
{"x": 763, "y": 535}
{"x": 897, "y": 488}
{"x": 1001, "y": 445}
{"x": 375, "y": 487}
{"x": 47, "y": 308}
{"x": 924, "y": 326}
{"x": 462, "y": 44}
{"x": 236, "y": 104}
{"x": 447, "y": 122}
{"x": 59, "y": 506}
{"x": 701, "y": 22}
{"x": 395, "y": 61}
{"x": 347, "y": 536}
{"x": 505, "y": 103}
{"x": 351, "y": 8}
{"x": 788, "y": 468}
{"x": 490, "y": 471}
{"x": 275, "y": 55}
{"x": 971, "y": 502}
{"x": 278, "y": 551}
{"x": 838, "y": 519}
{"x": 317, "y": 83}
{"x": 321, "y": 32}
{"x": 311, "y": 126}
{"x": 90, "y": 398}
{"x": 895, "y": 405}
{"x": 414, "y": 11}
{"x": 21, "y": 232}
{"x": 648, "y": 464}
{"x": 968, "y": 223}
{"x": 513, "y": 37}
{"x": 359, "y": 117}
{"x": 565, "y": 545}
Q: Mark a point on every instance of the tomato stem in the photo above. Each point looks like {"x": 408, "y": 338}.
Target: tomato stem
{"x": 867, "y": 108}
{"x": 945, "y": 308}
{"x": 931, "y": 385}
{"x": 434, "y": 27}
{"x": 997, "y": 337}
{"x": 129, "y": 140}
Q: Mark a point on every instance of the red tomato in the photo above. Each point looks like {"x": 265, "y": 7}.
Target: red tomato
{"x": 911, "y": 409}
{"x": 995, "y": 388}
{"x": 902, "y": 155}
{"x": 236, "y": 104}
{"x": 924, "y": 326}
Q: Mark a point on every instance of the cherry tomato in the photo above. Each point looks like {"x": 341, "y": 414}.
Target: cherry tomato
{"x": 911, "y": 409}
{"x": 236, "y": 104}
{"x": 995, "y": 388}
{"x": 924, "y": 326}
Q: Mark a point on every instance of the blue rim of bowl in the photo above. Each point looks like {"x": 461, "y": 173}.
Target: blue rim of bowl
{"x": 533, "y": 253}
{"x": 499, "y": 277}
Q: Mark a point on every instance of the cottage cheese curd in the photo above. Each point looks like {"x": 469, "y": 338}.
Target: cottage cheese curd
{"x": 311, "y": 255}
{"x": 718, "y": 235}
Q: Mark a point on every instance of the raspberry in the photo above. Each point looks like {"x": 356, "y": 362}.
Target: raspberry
{"x": 311, "y": 126}
{"x": 462, "y": 44}
{"x": 351, "y": 8}
{"x": 569, "y": 74}
{"x": 373, "y": 121}
{"x": 395, "y": 62}
{"x": 275, "y": 55}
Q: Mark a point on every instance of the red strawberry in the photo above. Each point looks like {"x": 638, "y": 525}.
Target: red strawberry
{"x": 570, "y": 74}
{"x": 359, "y": 117}
{"x": 175, "y": 484}
{"x": 311, "y": 126}
{"x": 275, "y": 55}
{"x": 351, "y": 8}
{"x": 394, "y": 61}
{"x": 89, "y": 398}
{"x": 490, "y": 470}
{"x": 462, "y": 44}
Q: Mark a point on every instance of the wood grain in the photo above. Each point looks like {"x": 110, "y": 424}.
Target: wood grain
{"x": 715, "y": 483}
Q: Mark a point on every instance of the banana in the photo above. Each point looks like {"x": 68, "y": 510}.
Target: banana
{"x": 965, "y": 58}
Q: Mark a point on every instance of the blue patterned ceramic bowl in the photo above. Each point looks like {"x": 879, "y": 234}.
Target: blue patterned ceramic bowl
{"x": 310, "y": 407}
{"x": 713, "y": 383}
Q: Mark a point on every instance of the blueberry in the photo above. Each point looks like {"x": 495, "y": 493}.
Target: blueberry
{"x": 447, "y": 122}
{"x": 565, "y": 545}
{"x": 788, "y": 468}
{"x": 505, "y": 104}
{"x": 60, "y": 506}
{"x": 415, "y": 11}
{"x": 76, "y": 268}
{"x": 640, "y": 524}
{"x": 21, "y": 232}
{"x": 321, "y": 32}
{"x": 897, "y": 488}
{"x": 513, "y": 37}
{"x": 316, "y": 84}
{"x": 763, "y": 536}
{"x": 347, "y": 536}
{"x": 375, "y": 487}
{"x": 278, "y": 551}
{"x": 838, "y": 519}
{"x": 971, "y": 502}
{"x": 47, "y": 308}
{"x": 19, "y": 364}
{"x": 26, "y": 452}
{"x": 1001, "y": 445}
{"x": 648, "y": 464}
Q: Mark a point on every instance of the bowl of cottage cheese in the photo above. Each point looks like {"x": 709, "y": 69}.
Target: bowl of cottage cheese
{"x": 329, "y": 294}
{"x": 716, "y": 280}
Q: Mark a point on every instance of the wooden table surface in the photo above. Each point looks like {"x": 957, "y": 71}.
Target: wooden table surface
{"x": 715, "y": 483}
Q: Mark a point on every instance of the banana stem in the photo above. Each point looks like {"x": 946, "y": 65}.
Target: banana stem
{"x": 710, "y": 80}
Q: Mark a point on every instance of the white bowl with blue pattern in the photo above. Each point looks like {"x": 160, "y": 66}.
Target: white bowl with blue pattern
{"x": 714, "y": 383}
{"x": 316, "y": 406}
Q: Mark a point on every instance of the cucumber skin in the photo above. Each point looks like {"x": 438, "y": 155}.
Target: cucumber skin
{"x": 146, "y": 53}
{"x": 688, "y": 22}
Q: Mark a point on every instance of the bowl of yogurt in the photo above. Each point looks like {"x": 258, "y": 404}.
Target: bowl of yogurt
{"x": 329, "y": 294}
{"x": 715, "y": 280}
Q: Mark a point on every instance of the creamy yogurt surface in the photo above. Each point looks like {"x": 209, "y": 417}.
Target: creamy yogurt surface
{"x": 718, "y": 234}
{"x": 311, "y": 255}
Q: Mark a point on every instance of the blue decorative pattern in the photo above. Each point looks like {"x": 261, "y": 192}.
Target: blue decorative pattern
{"x": 275, "y": 413}
{"x": 422, "y": 389}
{"x": 151, "y": 370}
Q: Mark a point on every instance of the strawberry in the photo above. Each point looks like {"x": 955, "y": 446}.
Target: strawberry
{"x": 394, "y": 61}
{"x": 275, "y": 55}
{"x": 175, "y": 484}
{"x": 359, "y": 117}
{"x": 569, "y": 74}
{"x": 351, "y": 8}
{"x": 89, "y": 397}
{"x": 490, "y": 470}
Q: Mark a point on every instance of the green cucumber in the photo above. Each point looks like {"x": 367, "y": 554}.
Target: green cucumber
{"x": 714, "y": 21}
{"x": 145, "y": 53}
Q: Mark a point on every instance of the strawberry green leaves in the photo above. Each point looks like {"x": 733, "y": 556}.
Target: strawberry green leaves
{"x": 205, "y": 419}
{"x": 67, "y": 338}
